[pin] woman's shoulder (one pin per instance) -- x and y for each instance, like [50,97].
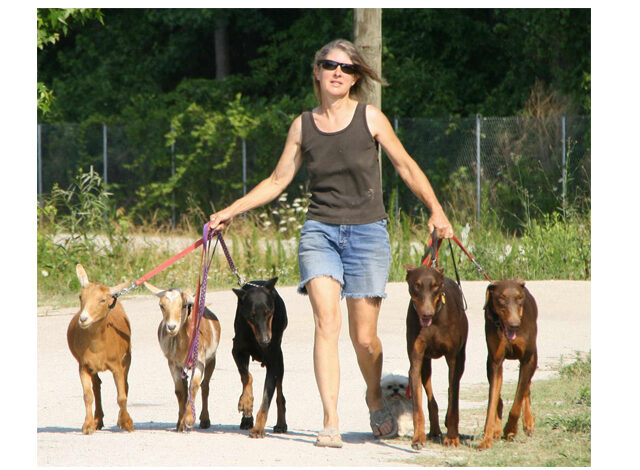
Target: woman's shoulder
[373,112]
[376,119]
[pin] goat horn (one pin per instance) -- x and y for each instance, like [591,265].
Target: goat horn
[153,288]
[82,275]
[115,289]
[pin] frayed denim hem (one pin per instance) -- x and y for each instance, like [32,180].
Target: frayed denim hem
[302,287]
[366,296]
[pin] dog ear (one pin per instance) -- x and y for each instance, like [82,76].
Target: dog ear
[440,269]
[271,283]
[520,281]
[240,293]
[409,267]
[490,289]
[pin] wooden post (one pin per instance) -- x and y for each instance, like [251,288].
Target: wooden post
[367,34]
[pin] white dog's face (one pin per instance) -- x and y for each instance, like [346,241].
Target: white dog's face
[394,387]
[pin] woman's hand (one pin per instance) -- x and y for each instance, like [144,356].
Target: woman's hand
[439,221]
[219,220]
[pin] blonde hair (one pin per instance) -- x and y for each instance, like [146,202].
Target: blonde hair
[366,75]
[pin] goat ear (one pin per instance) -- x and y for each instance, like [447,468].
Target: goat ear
[240,293]
[188,299]
[271,283]
[82,275]
[115,289]
[409,267]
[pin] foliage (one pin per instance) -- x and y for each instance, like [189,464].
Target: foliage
[52,24]
[80,228]
[80,224]
[146,70]
[439,62]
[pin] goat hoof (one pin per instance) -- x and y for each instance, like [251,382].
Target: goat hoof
[88,428]
[247,422]
[125,422]
[257,433]
[280,428]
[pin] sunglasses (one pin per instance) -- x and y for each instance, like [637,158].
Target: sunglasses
[349,69]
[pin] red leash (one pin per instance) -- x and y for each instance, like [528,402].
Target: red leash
[428,261]
[170,261]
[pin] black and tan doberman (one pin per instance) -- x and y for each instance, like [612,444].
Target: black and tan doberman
[260,321]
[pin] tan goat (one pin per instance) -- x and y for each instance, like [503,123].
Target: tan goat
[99,338]
[174,335]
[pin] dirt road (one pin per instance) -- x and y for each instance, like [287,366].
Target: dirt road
[564,328]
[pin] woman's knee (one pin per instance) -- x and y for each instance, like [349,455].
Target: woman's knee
[367,342]
[328,323]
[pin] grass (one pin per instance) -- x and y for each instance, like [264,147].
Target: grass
[562,435]
[75,229]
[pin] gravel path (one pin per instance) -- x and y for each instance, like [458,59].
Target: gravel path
[564,328]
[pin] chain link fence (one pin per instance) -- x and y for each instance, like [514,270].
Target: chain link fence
[477,166]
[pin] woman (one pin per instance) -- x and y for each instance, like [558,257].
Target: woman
[344,246]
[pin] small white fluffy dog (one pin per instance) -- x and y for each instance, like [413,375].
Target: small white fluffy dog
[394,389]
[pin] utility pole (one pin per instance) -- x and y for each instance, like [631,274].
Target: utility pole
[367,34]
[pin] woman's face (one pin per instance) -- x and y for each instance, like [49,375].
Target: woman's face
[335,82]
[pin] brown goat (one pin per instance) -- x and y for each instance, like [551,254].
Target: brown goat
[174,336]
[99,337]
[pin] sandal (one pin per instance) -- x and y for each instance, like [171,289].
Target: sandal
[329,437]
[378,418]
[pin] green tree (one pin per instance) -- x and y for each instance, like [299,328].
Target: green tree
[52,23]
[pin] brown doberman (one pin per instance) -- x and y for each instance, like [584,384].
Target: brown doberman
[436,326]
[510,328]
[261,319]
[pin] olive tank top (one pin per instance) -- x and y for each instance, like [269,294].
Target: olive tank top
[344,172]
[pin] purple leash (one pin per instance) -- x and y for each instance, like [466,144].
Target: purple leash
[192,356]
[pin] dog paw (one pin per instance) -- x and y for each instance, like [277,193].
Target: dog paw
[279,428]
[435,437]
[246,422]
[451,441]
[205,423]
[256,433]
[418,442]
[485,444]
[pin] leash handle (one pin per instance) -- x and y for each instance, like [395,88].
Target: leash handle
[431,252]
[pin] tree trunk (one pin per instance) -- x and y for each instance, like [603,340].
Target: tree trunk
[221,49]
[367,33]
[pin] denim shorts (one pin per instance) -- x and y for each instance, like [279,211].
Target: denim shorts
[357,256]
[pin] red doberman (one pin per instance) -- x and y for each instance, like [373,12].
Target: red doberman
[510,328]
[436,326]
